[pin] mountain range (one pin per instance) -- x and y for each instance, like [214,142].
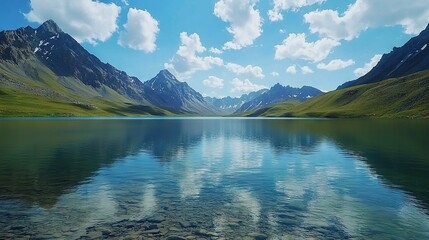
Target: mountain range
[44,71]
[279,93]
[50,64]
[51,73]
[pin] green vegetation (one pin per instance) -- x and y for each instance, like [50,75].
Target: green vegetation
[31,89]
[405,97]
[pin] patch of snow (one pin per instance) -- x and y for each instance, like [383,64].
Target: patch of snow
[153,83]
[37,49]
[52,47]
[308,96]
[424,47]
[295,95]
[41,42]
[46,43]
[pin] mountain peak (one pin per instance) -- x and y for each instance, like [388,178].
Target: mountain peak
[50,26]
[166,74]
[277,85]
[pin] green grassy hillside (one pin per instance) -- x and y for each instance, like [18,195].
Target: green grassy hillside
[405,97]
[32,89]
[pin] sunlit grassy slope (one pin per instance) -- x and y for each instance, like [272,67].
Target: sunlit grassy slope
[31,89]
[405,97]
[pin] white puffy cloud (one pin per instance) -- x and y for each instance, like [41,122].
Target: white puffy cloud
[125,2]
[359,72]
[255,71]
[335,64]
[281,5]
[215,50]
[295,46]
[186,61]
[306,70]
[364,14]
[275,74]
[213,82]
[245,21]
[291,69]
[140,31]
[86,20]
[244,86]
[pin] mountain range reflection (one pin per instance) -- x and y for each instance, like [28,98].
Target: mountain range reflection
[42,160]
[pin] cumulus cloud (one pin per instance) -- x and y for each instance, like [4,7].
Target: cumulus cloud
[255,71]
[275,74]
[335,64]
[216,50]
[364,14]
[140,31]
[245,21]
[244,86]
[281,5]
[187,61]
[295,46]
[306,70]
[86,20]
[291,69]
[213,82]
[359,72]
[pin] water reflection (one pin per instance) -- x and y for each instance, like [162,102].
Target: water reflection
[214,178]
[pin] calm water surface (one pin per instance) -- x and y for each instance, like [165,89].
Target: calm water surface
[190,178]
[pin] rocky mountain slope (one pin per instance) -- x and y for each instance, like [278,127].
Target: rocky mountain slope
[408,59]
[166,92]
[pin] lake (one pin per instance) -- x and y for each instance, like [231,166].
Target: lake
[200,178]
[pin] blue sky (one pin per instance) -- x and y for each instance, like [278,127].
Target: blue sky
[231,47]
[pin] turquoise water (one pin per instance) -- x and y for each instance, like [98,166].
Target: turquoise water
[192,178]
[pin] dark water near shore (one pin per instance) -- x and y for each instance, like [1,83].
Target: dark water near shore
[191,178]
